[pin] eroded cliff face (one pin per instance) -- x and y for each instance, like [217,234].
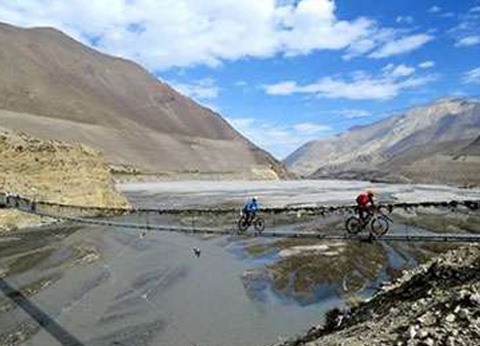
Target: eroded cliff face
[52,171]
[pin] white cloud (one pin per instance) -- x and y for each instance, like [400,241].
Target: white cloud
[402,45]
[310,129]
[447,15]
[354,113]
[201,89]
[280,140]
[467,31]
[385,43]
[183,33]
[405,20]
[472,76]
[426,64]
[434,9]
[360,85]
[475,9]
[468,41]
[282,88]
[398,71]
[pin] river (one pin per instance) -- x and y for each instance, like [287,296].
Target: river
[105,286]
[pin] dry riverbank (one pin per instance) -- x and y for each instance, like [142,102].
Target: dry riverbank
[435,304]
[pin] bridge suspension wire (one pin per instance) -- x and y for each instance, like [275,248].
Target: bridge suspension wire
[54,210]
[441,237]
[316,210]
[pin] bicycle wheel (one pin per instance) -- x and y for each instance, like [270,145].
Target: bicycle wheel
[242,224]
[353,225]
[380,226]
[259,224]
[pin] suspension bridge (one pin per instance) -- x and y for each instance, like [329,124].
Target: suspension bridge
[86,215]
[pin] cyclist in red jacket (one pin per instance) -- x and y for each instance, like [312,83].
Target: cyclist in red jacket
[365,204]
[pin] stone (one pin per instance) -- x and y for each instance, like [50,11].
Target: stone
[422,334]
[464,314]
[450,318]
[412,332]
[450,341]
[475,298]
[393,311]
[429,342]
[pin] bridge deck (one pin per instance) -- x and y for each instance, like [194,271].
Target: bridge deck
[412,237]
[25,206]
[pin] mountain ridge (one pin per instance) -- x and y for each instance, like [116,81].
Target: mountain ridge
[56,87]
[373,152]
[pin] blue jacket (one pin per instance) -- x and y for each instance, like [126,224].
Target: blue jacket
[251,206]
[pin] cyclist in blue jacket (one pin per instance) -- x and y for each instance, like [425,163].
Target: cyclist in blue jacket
[250,209]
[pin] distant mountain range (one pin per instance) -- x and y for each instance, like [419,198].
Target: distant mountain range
[51,86]
[435,143]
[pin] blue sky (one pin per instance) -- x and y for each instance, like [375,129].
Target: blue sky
[284,71]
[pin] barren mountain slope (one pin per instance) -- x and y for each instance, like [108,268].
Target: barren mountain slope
[384,148]
[472,149]
[54,87]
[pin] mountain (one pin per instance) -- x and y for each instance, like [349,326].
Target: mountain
[428,144]
[473,149]
[52,86]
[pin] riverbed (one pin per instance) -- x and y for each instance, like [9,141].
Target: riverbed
[105,286]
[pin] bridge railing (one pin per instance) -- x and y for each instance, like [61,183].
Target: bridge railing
[327,219]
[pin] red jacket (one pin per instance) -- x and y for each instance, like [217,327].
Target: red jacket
[363,199]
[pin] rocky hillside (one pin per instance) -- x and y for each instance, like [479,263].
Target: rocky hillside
[473,149]
[52,171]
[424,144]
[435,304]
[55,87]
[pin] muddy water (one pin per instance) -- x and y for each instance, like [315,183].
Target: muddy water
[104,286]
[153,291]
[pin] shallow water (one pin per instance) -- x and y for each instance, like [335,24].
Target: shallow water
[284,193]
[153,291]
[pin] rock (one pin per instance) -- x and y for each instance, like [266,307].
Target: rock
[429,342]
[450,318]
[450,341]
[422,334]
[464,314]
[411,319]
[475,298]
[412,332]
[59,173]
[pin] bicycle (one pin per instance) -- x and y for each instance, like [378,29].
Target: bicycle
[244,223]
[378,221]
